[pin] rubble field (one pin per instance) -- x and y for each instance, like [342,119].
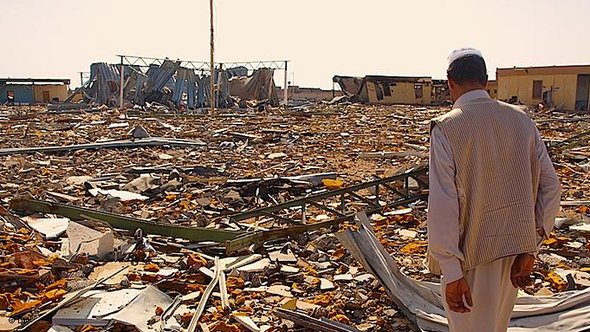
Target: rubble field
[75,185]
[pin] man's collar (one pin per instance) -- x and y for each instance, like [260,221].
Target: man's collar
[470,96]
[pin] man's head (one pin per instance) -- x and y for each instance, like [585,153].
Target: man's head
[466,71]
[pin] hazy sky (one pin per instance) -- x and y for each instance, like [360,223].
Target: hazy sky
[58,38]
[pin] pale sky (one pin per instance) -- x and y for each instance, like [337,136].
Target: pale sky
[59,38]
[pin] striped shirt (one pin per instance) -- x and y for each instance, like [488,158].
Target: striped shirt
[491,185]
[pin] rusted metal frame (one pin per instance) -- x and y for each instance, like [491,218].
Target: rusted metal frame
[364,199]
[328,194]
[286,220]
[259,237]
[325,208]
[390,187]
[421,183]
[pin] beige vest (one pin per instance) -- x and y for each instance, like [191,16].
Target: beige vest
[493,146]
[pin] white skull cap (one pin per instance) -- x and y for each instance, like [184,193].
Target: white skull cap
[462,52]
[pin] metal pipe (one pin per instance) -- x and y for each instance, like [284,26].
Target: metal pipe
[212,63]
[122,74]
[286,87]
[82,85]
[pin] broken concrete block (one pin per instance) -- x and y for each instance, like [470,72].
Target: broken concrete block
[408,234]
[139,132]
[280,290]
[326,284]
[287,257]
[245,321]
[140,311]
[140,184]
[95,307]
[343,277]
[120,194]
[51,228]
[276,155]
[89,241]
[258,266]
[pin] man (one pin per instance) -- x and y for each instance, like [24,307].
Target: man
[10,98]
[493,196]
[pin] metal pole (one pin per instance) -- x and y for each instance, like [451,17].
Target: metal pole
[122,72]
[285,87]
[212,64]
[82,83]
[219,84]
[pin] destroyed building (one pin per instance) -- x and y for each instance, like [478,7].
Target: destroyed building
[391,90]
[561,87]
[173,83]
[33,90]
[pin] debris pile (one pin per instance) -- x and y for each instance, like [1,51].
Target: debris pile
[229,221]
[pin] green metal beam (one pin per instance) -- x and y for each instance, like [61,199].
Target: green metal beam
[117,221]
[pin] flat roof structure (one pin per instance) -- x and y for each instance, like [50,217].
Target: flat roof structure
[545,70]
[9,80]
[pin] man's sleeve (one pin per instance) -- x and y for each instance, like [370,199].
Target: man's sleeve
[443,208]
[549,194]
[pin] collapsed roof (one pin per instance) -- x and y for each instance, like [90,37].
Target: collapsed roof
[170,83]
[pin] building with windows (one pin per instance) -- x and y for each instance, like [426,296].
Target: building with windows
[387,90]
[492,88]
[565,87]
[33,90]
[399,90]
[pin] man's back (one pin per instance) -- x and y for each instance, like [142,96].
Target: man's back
[493,146]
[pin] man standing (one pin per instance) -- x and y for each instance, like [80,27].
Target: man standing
[493,196]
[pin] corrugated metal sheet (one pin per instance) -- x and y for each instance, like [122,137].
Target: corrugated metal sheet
[168,82]
[185,83]
[161,76]
[104,83]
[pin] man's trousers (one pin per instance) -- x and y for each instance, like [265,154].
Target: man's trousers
[493,298]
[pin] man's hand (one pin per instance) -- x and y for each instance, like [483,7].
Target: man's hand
[520,274]
[454,292]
